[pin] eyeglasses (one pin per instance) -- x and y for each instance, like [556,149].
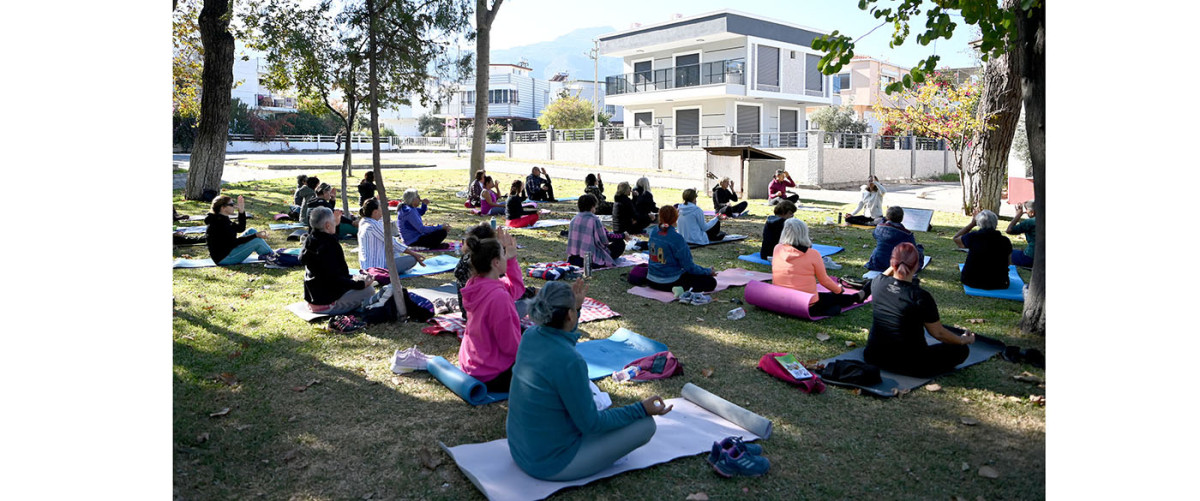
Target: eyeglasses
[231,204]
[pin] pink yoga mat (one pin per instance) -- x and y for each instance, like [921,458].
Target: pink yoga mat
[733,277]
[787,301]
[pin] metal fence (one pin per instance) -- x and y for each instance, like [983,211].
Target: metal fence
[398,141]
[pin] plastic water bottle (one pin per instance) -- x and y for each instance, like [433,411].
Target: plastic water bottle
[493,222]
[626,374]
[587,264]
[736,314]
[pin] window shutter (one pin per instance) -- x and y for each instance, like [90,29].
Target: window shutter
[768,67]
[642,119]
[747,119]
[687,122]
[812,75]
[787,120]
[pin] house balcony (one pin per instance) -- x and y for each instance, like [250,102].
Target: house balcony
[711,79]
[276,104]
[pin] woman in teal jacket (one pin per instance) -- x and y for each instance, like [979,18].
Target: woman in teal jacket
[555,432]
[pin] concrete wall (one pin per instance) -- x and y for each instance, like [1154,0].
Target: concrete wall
[689,162]
[931,163]
[636,154]
[795,162]
[580,152]
[530,150]
[893,164]
[845,165]
[252,146]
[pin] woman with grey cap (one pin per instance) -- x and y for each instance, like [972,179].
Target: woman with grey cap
[554,430]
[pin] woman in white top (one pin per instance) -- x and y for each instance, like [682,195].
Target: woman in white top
[872,201]
[371,250]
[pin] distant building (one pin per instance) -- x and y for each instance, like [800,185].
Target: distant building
[514,96]
[253,92]
[861,85]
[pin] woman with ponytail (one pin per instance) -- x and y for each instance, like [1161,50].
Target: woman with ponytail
[554,430]
[493,332]
[795,265]
[903,311]
[671,259]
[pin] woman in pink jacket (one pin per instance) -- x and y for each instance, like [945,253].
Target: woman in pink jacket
[489,345]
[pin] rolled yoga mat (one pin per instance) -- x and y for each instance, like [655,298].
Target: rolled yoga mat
[1015,290]
[823,250]
[471,390]
[787,301]
[733,413]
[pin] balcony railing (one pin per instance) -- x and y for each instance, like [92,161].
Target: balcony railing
[728,71]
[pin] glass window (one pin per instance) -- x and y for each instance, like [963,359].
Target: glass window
[843,81]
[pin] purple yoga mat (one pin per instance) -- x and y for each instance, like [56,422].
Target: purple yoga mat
[786,301]
[733,277]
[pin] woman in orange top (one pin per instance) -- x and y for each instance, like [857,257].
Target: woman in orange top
[796,265]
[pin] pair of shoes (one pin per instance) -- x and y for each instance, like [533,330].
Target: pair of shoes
[731,457]
[441,306]
[829,264]
[1031,356]
[696,298]
[408,360]
[345,324]
[853,283]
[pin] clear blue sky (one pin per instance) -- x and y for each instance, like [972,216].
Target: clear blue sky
[523,22]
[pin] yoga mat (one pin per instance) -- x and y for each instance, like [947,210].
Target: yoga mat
[547,223]
[471,390]
[286,226]
[917,219]
[191,229]
[727,239]
[823,250]
[566,199]
[752,422]
[783,300]
[208,262]
[444,291]
[872,273]
[606,356]
[733,277]
[859,226]
[893,384]
[301,310]
[689,429]
[297,234]
[1015,290]
[440,263]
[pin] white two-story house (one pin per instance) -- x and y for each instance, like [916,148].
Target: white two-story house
[514,96]
[724,77]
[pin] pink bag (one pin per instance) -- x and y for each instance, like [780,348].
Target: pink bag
[660,365]
[771,366]
[380,275]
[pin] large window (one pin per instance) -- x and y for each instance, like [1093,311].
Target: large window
[503,96]
[884,81]
[841,82]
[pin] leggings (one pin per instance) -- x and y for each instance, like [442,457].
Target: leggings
[600,451]
[1020,259]
[715,234]
[243,251]
[829,304]
[523,221]
[791,198]
[494,211]
[730,209]
[545,195]
[500,383]
[930,361]
[350,301]
[697,283]
[616,247]
[430,240]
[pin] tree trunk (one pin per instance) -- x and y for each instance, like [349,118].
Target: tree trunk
[483,44]
[1032,45]
[389,230]
[208,152]
[347,157]
[987,166]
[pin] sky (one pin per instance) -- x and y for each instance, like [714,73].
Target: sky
[523,22]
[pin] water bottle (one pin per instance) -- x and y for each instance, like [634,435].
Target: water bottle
[587,264]
[736,314]
[626,374]
[493,222]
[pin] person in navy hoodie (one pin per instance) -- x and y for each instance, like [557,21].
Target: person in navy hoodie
[888,235]
[412,229]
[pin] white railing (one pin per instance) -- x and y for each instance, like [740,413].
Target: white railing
[399,141]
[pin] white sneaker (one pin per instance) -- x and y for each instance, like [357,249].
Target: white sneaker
[829,264]
[408,360]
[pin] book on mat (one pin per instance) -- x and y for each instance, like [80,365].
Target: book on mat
[794,367]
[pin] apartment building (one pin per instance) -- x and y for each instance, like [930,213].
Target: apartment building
[719,74]
[248,89]
[861,85]
[513,95]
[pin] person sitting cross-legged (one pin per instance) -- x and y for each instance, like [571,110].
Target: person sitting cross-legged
[888,235]
[1029,228]
[412,229]
[988,253]
[626,218]
[594,186]
[366,187]
[588,235]
[475,190]
[538,187]
[225,246]
[902,313]
[671,259]
[490,201]
[796,265]
[372,251]
[643,200]
[724,197]
[554,431]
[692,225]
[328,287]
[784,210]
[493,331]
[515,215]
[872,201]
[777,189]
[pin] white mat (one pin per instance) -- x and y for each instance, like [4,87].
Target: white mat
[687,430]
[548,223]
[191,229]
[300,309]
[287,226]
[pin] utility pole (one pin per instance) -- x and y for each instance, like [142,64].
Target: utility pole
[595,55]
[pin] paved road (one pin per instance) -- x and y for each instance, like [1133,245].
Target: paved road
[944,197]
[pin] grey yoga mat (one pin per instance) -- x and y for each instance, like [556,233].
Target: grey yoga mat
[689,429]
[752,422]
[894,384]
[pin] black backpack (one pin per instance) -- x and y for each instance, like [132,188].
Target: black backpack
[852,372]
[387,312]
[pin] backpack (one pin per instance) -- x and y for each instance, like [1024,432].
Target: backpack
[637,276]
[660,365]
[209,195]
[770,365]
[381,308]
[380,275]
[852,372]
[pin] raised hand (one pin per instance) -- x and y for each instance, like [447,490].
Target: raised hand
[579,289]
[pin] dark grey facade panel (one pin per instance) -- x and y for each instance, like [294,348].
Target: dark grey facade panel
[743,25]
[643,118]
[683,30]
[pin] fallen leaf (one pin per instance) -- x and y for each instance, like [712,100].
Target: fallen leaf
[428,459]
[821,336]
[244,427]
[856,391]
[228,378]
[965,466]
[975,320]
[850,344]
[933,387]
[1038,399]
[988,472]
[290,455]
[706,372]
[1027,377]
[698,319]
[1013,398]
[698,496]
[969,421]
[220,413]
[299,388]
[188,336]
[201,438]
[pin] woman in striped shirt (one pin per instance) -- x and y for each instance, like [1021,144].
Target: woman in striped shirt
[372,252]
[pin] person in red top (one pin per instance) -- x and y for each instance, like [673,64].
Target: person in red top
[777,189]
[493,332]
[796,265]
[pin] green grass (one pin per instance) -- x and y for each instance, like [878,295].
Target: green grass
[948,177]
[357,431]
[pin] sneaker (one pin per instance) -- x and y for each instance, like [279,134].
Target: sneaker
[829,264]
[738,462]
[345,324]
[730,443]
[408,360]
[853,283]
[700,298]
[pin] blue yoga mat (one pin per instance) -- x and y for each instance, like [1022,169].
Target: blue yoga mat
[1013,292]
[437,264]
[824,250]
[471,390]
[208,262]
[606,356]
[286,226]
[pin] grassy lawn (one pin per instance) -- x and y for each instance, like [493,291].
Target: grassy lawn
[356,430]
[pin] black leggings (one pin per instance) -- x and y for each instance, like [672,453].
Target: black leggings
[730,209]
[500,383]
[793,199]
[927,362]
[543,195]
[616,247]
[697,283]
[431,239]
[829,304]
[715,234]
